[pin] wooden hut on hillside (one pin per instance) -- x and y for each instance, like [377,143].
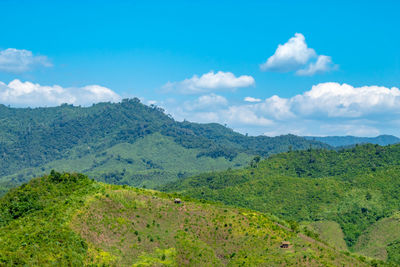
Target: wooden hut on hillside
[285,244]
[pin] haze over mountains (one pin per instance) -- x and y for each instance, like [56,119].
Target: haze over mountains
[341,141]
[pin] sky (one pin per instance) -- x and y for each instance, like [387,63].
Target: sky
[260,67]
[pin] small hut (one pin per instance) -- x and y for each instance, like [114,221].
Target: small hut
[285,244]
[177,201]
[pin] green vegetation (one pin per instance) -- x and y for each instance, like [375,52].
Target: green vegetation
[123,143]
[150,161]
[355,187]
[68,219]
[381,239]
[327,231]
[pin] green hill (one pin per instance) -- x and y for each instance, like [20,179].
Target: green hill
[329,231]
[381,239]
[355,187]
[68,219]
[122,143]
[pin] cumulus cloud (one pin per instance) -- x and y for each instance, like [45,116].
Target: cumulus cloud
[323,64]
[295,55]
[210,82]
[326,109]
[206,102]
[345,101]
[251,99]
[15,60]
[19,93]
[290,56]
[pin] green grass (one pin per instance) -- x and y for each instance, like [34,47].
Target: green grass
[328,231]
[68,219]
[376,239]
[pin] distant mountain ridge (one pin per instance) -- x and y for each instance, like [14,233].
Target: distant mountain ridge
[342,141]
[123,143]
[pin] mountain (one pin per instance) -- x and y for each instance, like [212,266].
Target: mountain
[70,220]
[344,141]
[123,143]
[350,193]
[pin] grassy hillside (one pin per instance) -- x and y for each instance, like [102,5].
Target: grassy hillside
[355,187]
[329,231]
[123,143]
[68,219]
[381,238]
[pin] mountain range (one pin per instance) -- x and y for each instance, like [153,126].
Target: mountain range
[345,141]
[123,143]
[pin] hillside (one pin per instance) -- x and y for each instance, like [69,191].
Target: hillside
[122,143]
[382,239]
[68,219]
[355,188]
[345,141]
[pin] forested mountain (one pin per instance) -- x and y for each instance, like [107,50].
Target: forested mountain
[123,143]
[353,193]
[70,220]
[343,141]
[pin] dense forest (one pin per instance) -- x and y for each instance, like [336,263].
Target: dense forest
[118,143]
[68,219]
[357,188]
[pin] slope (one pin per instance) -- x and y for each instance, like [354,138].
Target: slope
[380,238]
[76,138]
[68,219]
[354,187]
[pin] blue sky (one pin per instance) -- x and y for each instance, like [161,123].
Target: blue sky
[105,50]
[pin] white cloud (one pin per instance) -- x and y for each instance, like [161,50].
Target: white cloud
[326,109]
[323,64]
[151,102]
[19,93]
[206,102]
[15,60]
[251,99]
[295,55]
[343,100]
[245,115]
[210,82]
[290,56]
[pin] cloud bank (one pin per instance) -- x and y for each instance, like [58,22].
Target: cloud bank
[210,82]
[295,55]
[15,60]
[24,94]
[325,109]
